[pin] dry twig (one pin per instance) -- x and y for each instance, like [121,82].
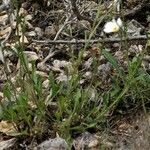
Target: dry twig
[105,40]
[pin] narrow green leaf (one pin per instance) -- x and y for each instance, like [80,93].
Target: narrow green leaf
[113,61]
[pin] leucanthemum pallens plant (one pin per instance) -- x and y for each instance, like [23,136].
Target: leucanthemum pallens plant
[113,26]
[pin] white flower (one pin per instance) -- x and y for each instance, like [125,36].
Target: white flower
[113,26]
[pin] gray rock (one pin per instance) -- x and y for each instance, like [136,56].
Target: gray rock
[7,144]
[53,144]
